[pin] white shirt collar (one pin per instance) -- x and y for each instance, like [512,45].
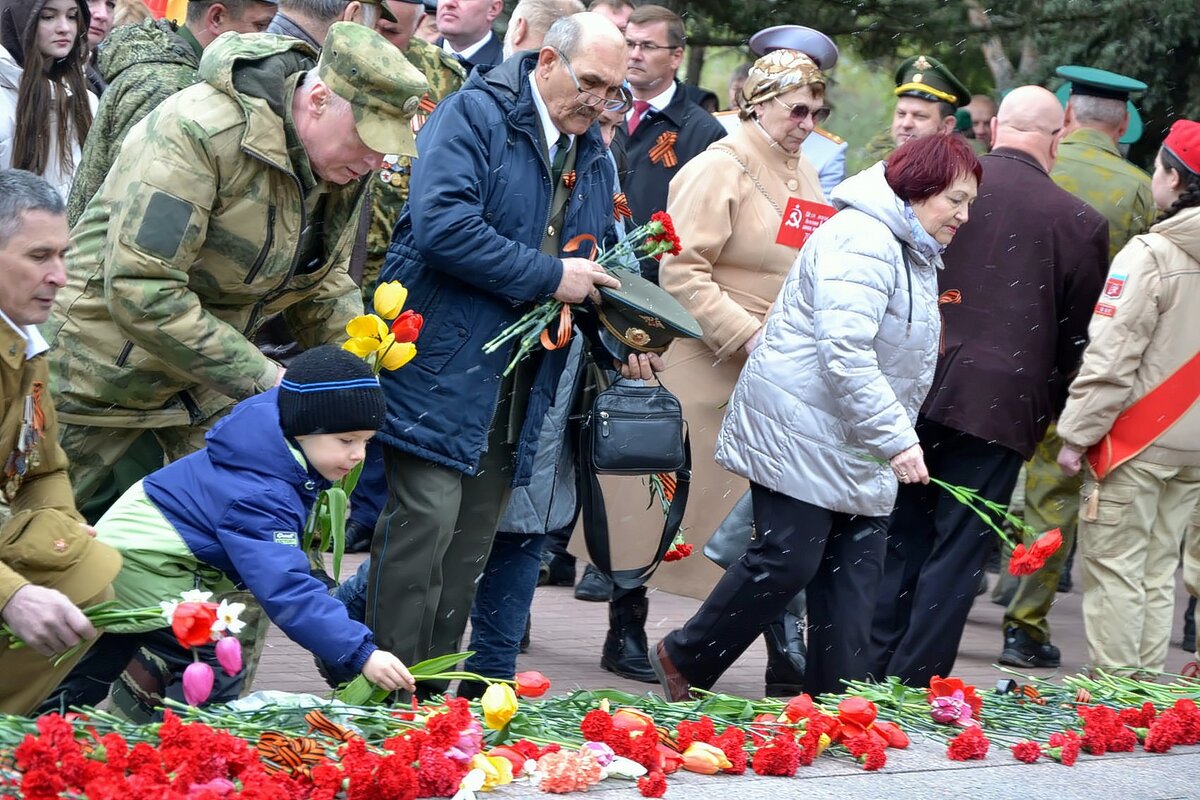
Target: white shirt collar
[548,129]
[467,52]
[660,100]
[35,345]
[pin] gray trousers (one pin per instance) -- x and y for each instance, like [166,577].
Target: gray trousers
[430,547]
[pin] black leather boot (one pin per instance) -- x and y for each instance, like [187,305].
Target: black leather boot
[787,656]
[625,649]
[1189,627]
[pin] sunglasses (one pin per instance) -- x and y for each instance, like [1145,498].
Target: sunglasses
[800,112]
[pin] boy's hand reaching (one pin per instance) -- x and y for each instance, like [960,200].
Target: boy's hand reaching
[388,672]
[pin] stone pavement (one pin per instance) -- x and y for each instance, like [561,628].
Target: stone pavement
[567,636]
[566,640]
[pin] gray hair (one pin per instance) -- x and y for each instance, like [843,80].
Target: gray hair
[323,10]
[22,191]
[1098,110]
[540,15]
[564,36]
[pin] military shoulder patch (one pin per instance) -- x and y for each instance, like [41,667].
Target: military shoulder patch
[1114,286]
[290,538]
[1105,310]
[164,225]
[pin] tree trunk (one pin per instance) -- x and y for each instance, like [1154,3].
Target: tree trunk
[992,47]
[695,64]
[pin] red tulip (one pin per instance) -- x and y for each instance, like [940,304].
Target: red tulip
[192,623]
[229,655]
[669,760]
[197,683]
[407,326]
[630,719]
[858,710]
[532,684]
[798,708]
[896,737]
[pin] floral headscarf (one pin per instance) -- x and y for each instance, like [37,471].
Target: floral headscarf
[776,73]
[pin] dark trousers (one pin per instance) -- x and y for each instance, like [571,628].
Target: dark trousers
[936,551]
[430,547]
[837,558]
[502,603]
[371,489]
[148,656]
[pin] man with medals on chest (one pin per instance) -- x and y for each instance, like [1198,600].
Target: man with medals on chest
[50,566]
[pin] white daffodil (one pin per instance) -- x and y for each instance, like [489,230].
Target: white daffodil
[624,768]
[196,596]
[229,618]
[471,783]
[168,608]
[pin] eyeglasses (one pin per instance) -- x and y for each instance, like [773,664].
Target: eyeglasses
[800,112]
[650,48]
[622,102]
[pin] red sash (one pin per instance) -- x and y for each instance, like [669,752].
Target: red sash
[1140,425]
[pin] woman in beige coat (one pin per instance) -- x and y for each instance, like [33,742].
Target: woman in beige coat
[728,204]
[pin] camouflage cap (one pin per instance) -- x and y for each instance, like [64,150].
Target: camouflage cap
[384,89]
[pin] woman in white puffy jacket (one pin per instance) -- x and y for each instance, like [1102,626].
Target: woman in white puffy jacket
[45,106]
[821,420]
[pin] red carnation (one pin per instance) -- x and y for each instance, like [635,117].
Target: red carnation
[1064,747]
[868,750]
[1137,717]
[969,745]
[1028,752]
[596,725]
[653,784]
[733,744]
[780,756]
[1046,545]
[701,730]
[1023,562]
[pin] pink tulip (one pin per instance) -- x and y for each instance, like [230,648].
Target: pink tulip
[197,683]
[229,655]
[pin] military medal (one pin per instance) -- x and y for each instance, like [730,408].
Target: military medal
[26,454]
[385,175]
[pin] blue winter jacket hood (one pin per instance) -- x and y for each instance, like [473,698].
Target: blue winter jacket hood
[467,247]
[240,505]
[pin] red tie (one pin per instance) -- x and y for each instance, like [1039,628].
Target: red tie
[640,107]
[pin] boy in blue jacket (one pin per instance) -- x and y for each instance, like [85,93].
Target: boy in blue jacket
[231,517]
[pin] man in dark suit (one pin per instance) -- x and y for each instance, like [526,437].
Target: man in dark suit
[466,29]
[664,129]
[1020,281]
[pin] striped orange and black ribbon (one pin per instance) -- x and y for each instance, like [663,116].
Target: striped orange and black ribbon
[621,209]
[949,297]
[667,480]
[320,723]
[282,753]
[663,151]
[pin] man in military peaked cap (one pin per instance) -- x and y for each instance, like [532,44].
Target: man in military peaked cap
[214,218]
[927,97]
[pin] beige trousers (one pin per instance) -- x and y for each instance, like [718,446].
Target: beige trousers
[1129,544]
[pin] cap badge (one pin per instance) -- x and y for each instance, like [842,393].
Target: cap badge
[637,337]
[921,63]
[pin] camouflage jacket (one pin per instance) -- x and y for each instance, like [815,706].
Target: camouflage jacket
[1090,167]
[195,239]
[144,65]
[389,186]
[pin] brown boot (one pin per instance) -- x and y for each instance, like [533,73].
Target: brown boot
[675,687]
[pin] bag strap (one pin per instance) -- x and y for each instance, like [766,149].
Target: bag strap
[595,516]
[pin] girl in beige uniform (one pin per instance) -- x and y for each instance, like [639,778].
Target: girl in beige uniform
[1133,411]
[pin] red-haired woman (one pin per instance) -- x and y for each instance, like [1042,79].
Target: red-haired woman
[821,420]
[45,106]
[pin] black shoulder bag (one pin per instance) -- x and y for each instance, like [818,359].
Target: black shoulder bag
[632,430]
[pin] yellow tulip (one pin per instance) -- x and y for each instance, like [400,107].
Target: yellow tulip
[705,759]
[823,742]
[393,354]
[389,299]
[366,326]
[497,770]
[361,346]
[499,703]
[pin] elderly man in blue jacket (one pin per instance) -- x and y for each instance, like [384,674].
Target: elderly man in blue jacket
[511,168]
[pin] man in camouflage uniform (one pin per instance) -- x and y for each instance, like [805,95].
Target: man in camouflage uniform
[143,66]
[1089,166]
[212,219]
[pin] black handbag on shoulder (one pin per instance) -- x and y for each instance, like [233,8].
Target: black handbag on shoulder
[632,430]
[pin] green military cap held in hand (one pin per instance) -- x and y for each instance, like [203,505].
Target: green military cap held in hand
[641,316]
[927,78]
[383,88]
[1102,83]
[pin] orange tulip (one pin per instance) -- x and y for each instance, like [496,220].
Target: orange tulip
[532,684]
[705,759]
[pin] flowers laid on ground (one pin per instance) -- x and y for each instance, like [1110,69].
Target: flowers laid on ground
[653,240]
[448,748]
[196,621]
[385,346]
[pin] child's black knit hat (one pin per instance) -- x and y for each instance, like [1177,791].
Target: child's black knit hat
[329,390]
